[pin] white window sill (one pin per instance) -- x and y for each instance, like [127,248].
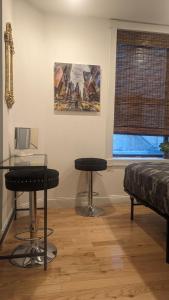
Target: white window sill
[125,161]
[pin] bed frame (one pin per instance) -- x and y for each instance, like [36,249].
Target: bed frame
[135,201]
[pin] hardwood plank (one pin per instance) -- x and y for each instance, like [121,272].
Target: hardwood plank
[108,257]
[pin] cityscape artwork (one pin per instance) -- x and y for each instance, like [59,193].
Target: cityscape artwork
[76,87]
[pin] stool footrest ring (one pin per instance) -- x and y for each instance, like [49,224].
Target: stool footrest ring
[38,238]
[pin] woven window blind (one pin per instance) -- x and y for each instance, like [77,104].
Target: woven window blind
[142,83]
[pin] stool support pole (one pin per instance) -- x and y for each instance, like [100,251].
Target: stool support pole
[90,189]
[91,210]
[29,254]
[33,215]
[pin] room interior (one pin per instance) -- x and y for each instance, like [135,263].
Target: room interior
[78,32]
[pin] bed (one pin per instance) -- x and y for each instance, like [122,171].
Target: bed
[147,183]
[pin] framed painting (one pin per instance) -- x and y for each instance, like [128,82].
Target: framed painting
[76,87]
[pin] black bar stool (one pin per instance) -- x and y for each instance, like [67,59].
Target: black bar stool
[32,180]
[90,165]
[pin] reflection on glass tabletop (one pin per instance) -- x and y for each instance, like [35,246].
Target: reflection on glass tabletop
[31,160]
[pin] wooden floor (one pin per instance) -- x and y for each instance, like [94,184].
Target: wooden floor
[108,257]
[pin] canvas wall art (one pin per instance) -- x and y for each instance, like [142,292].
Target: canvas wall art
[76,87]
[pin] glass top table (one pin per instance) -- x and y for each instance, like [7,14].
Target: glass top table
[25,161]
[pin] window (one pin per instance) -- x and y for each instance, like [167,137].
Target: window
[141,119]
[136,145]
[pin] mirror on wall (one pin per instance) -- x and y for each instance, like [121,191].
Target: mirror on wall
[26,138]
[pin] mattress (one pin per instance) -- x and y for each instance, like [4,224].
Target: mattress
[149,181]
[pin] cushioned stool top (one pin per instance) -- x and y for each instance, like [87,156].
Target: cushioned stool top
[90,164]
[30,179]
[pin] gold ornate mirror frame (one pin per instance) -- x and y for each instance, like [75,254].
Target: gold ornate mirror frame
[9,52]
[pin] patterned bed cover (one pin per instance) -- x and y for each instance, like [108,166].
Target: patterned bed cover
[149,181]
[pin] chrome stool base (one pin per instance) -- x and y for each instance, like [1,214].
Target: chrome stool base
[29,262]
[90,211]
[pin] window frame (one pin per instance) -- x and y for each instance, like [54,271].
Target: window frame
[114,26]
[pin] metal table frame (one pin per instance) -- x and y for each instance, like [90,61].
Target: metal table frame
[29,161]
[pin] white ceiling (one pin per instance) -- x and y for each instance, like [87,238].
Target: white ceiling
[148,11]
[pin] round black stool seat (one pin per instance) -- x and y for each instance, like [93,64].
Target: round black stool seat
[30,179]
[90,164]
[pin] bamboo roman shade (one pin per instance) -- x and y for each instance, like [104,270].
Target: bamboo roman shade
[142,83]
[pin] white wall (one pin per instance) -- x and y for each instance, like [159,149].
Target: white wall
[73,135]
[29,80]
[40,40]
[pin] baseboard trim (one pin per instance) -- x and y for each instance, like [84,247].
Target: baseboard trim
[6,227]
[71,202]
